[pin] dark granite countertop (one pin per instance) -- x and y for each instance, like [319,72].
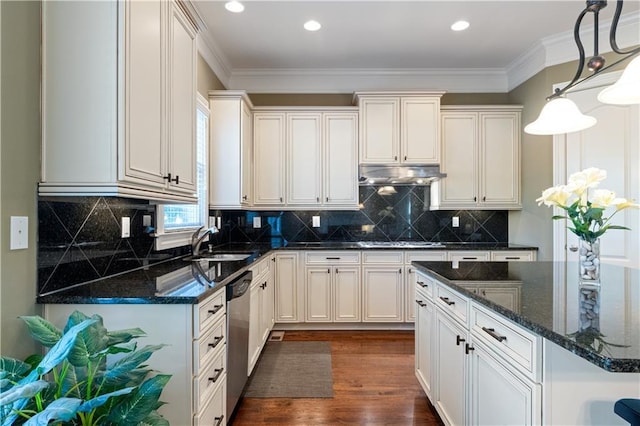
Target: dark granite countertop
[549,305]
[177,281]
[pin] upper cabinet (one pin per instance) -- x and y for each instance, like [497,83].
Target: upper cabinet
[230,149]
[119,100]
[305,158]
[399,127]
[481,157]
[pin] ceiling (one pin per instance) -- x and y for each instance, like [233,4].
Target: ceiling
[266,46]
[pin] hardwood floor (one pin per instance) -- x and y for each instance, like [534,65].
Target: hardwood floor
[373,384]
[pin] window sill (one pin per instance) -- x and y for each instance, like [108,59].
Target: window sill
[173,239]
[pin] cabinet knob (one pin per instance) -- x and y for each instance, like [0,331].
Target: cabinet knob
[244,197]
[280,199]
[328,270]
[468,348]
[400,270]
[475,199]
[484,198]
[459,340]
[395,158]
[317,199]
[405,158]
[327,199]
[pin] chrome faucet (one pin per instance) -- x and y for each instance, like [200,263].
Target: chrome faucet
[197,239]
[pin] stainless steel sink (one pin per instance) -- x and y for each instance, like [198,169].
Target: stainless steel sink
[220,257]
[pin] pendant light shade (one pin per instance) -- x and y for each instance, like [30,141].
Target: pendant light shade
[626,90]
[559,115]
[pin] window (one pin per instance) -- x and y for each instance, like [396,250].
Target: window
[176,222]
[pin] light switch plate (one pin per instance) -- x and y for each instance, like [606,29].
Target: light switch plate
[315,221]
[455,222]
[257,222]
[126,227]
[146,220]
[212,221]
[19,233]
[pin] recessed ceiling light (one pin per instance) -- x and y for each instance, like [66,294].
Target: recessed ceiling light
[459,25]
[312,25]
[234,6]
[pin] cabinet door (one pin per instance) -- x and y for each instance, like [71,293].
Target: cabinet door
[255,317]
[459,159]
[287,294]
[246,165]
[423,334]
[303,158]
[268,158]
[341,159]
[382,296]
[450,370]
[498,396]
[267,308]
[318,294]
[181,102]
[379,130]
[225,160]
[420,134]
[145,137]
[500,158]
[346,294]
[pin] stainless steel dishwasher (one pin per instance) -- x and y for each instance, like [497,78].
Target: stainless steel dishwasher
[238,308]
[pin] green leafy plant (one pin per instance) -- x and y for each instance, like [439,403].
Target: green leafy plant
[584,204]
[591,337]
[89,376]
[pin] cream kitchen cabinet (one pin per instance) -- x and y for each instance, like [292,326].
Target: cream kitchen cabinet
[424,327]
[513,255]
[481,157]
[399,127]
[289,296]
[332,287]
[230,150]
[383,291]
[410,277]
[469,256]
[261,313]
[119,101]
[305,158]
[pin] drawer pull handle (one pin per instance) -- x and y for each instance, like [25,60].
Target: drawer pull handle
[459,340]
[423,285]
[469,258]
[421,303]
[218,420]
[216,342]
[512,257]
[447,301]
[468,348]
[333,258]
[218,372]
[492,332]
[215,309]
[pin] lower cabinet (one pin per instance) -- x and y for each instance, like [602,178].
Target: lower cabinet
[289,301]
[476,367]
[261,314]
[382,294]
[333,294]
[194,355]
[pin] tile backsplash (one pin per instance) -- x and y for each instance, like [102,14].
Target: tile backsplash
[402,216]
[79,238]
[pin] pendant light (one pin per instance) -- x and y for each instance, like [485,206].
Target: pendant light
[561,115]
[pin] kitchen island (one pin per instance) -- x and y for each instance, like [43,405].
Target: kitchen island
[535,349]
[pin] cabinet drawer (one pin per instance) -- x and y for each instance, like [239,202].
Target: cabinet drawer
[332,257]
[469,255]
[213,413]
[382,257]
[512,255]
[209,379]
[262,267]
[206,348]
[424,285]
[426,256]
[452,302]
[515,344]
[209,311]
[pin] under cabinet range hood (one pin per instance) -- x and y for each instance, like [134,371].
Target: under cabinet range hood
[384,174]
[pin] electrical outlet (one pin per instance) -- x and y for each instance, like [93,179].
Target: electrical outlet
[212,221]
[455,222]
[315,221]
[257,222]
[19,233]
[219,222]
[126,227]
[146,220]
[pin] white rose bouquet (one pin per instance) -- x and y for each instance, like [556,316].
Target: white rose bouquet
[585,204]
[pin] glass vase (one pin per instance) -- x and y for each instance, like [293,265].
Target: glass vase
[589,300]
[589,261]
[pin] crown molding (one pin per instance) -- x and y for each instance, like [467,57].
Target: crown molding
[350,80]
[214,57]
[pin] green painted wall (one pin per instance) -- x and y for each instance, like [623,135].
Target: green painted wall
[20,157]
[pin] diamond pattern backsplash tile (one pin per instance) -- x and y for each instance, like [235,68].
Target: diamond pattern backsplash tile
[79,237]
[401,216]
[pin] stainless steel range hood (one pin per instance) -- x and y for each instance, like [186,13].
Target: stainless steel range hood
[383,174]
